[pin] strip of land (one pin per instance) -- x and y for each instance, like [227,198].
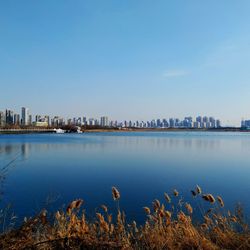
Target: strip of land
[98,130]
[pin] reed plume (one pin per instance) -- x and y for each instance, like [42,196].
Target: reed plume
[208,197]
[115,194]
[167,198]
[175,192]
[105,208]
[189,208]
[221,202]
[198,189]
[147,210]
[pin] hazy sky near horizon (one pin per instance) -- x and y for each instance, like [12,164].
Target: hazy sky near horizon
[133,59]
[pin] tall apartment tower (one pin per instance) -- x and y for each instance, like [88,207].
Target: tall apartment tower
[104,121]
[2,119]
[25,116]
[46,119]
[16,119]
[9,117]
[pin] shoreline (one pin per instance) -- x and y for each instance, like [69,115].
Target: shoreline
[101,130]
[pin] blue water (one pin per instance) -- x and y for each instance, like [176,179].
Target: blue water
[50,170]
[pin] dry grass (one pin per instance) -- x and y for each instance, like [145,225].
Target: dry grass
[169,225]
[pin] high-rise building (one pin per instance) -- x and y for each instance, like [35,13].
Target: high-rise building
[2,119]
[57,121]
[91,121]
[16,119]
[69,122]
[212,122]
[196,124]
[25,116]
[189,119]
[158,123]
[205,119]
[30,120]
[199,119]
[171,123]
[46,119]
[177,123]
[104,121]
[165,123]
[9,117]
[79,121]
[84,121]
[202,124]
[38,118]
[97,122]
[74,121]
[243,124]
[218,124]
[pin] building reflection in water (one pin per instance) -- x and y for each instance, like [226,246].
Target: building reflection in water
[10,155]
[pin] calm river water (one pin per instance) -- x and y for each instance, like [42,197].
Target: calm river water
[50,170]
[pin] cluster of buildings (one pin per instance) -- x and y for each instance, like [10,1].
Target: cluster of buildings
[187,122]
[9,117]
[245,124]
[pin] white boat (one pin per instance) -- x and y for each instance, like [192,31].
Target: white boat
[79,130]
[59,131]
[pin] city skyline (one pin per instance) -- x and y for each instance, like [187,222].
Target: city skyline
[226,122]
[129,60]
[25,118]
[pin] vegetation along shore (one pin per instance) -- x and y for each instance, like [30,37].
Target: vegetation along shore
[168,225]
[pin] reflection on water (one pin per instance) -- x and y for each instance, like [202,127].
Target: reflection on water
[142,165]
[139,141]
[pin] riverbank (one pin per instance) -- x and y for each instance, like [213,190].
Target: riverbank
[99,130]
[26,131]
[167,130]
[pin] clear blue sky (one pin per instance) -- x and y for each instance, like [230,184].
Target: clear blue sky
[133,59]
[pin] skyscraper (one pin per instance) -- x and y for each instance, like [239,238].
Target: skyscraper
[9,117]
[212,122]
[2,119]
[84,120]
[38,118]
[46,119]
[171,123]
[218,124]
[30,120]
[91,121]
[16,119]
[205,119]
[79,121]
[25,116]
[158,123]
[104,121]
[199,119]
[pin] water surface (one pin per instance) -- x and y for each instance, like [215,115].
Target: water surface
[49,170]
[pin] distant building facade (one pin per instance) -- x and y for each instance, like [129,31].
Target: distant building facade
[104,121]
[245,124]
[25,116]
[2,119]
[16,119]
[9,117]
